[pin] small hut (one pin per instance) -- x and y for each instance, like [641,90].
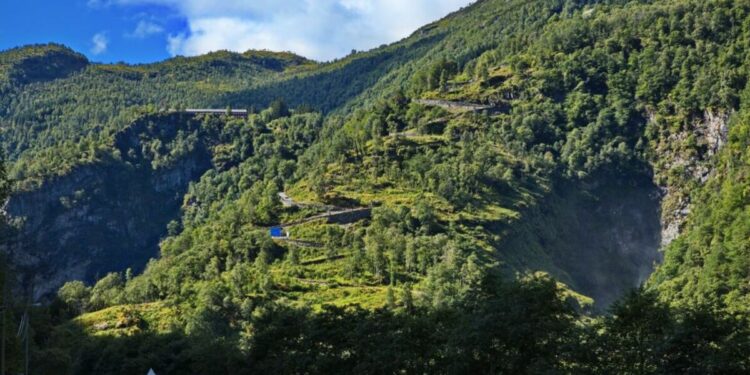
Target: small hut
[277,232]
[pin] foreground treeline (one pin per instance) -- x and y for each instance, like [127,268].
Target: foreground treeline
[504,327]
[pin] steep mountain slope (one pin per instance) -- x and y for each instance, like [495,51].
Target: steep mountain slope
[57,126]
[82,100]
[569,92]
[579,107]
[109,215]
[83,207]
[708,263]
[360,79]
[21,66]
[508,140]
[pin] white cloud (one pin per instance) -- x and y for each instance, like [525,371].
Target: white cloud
[145,29]
[174,42]
[100,43]
[320,29]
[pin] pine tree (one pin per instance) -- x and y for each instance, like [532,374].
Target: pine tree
[292,256]
[261,262]
[408,300]
[390,299]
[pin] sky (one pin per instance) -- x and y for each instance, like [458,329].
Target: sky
[141,31]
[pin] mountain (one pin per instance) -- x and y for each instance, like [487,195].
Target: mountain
[39,63]
[90,108]
[478,197]
[47,110]
[63,134]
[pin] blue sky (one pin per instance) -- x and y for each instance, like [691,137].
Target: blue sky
[138,31]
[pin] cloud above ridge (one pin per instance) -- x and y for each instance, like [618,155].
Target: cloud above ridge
[99,42]
[145,28]
[319,29]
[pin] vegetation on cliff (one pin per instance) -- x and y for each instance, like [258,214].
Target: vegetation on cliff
[505,147]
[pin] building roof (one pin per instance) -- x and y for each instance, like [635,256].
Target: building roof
[277,232]
[213,110]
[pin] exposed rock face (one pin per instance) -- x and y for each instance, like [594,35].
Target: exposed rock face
[687,168]
[100,218]
[95,220]
[602,237]
[671,226]
[714,130]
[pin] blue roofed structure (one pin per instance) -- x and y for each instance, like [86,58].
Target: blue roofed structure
[277,232]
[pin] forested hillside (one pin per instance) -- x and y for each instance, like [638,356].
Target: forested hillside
[484,196]
[81,105]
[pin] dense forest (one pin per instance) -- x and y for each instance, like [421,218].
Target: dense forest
[548,186]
